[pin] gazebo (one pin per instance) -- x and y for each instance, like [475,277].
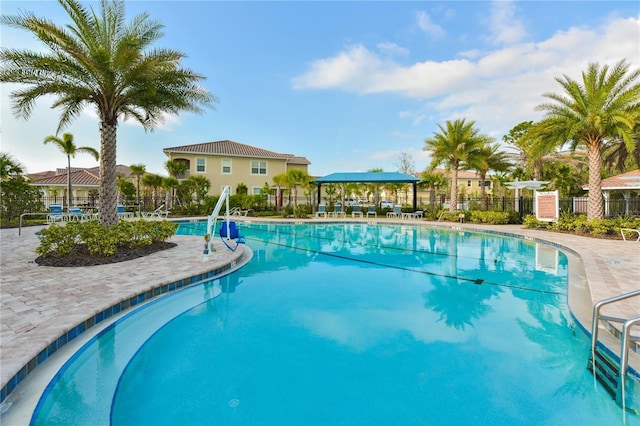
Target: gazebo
[369,177]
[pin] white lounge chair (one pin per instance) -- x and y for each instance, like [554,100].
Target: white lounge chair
[395,213]
[372,211]
[337,211]
[322,211]
[357,211]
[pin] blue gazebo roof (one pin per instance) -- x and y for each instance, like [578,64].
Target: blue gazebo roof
[367,177]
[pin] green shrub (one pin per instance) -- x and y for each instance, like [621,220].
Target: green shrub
[531,221]
[101,240]
[490,217]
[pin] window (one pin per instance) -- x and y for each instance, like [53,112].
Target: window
[256,190]
[469,183]
[258,167]
[226,166]
[200,165]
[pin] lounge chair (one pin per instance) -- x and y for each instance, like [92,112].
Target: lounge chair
[396,212]
[337,211]
[56,214]
[76,214]
[357,211]
[322,210]
[159,213]
[372,211]
[124,214]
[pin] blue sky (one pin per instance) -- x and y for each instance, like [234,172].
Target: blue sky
[348,85]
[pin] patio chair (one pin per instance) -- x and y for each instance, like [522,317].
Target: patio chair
[357,211]
[372,211]
[337,211]
[77,214]
[56,214]
[123,214]
[322,210]
[396,212]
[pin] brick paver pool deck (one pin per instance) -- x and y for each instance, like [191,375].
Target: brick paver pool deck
[40,304]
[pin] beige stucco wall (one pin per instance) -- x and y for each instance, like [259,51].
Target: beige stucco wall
[241,171]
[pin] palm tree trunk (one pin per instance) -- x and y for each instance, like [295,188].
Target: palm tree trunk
[594,202]
[453,204]
[483,200]
[108,175]
[69,197]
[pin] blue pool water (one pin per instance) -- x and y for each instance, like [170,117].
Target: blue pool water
[335,324]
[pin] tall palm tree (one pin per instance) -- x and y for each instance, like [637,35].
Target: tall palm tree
[452,147]
[604,107]
[102,61]
[138,170]
[66,145]
[488,157]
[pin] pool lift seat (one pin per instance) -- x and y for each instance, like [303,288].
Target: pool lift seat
[228,230]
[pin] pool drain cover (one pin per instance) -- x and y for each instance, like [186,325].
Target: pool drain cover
[233,403]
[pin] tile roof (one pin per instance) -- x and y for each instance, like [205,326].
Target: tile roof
[234,149]
[629,180]
[80,177]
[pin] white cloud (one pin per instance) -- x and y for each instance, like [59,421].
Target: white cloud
[498,89]
[392,49]
[505,26]
[429,27]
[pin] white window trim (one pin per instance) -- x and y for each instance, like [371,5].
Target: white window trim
[205,165]
[230,166]
[266,168]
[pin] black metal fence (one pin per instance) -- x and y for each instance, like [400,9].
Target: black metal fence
[522,205]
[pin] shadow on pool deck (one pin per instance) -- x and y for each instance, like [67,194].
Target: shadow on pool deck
[39,304]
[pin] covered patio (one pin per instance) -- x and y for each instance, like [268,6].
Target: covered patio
[369,177]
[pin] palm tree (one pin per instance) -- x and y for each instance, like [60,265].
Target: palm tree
[433,181]
[138,170]
[9,166]
[602,108]
[66,145]
[488,157]
[102,61]
[154,182]
[176,168]
[279,180]
[452,147]
[169,184]
[295,177]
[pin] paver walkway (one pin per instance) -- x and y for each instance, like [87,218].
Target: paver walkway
[39,304]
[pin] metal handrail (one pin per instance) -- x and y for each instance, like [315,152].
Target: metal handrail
[624,354]
[624,345]
[596,313]
[28,214]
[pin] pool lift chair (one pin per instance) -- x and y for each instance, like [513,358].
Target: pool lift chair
[228,229]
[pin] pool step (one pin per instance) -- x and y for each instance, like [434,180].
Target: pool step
[607,371]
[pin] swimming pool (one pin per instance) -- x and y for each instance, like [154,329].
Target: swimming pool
[348,324]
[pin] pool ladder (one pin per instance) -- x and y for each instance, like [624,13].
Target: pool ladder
[610,372]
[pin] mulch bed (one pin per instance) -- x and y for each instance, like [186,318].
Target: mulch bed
[81,256]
